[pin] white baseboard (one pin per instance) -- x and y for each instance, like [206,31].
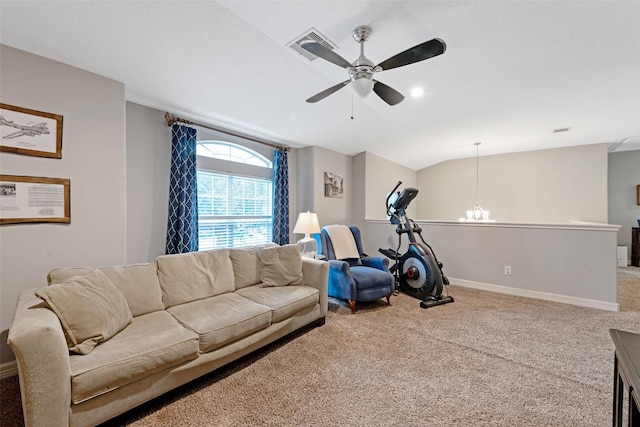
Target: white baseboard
[583,302]
[8,369]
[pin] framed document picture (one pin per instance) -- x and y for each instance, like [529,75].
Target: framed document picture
[30,132]
[34,199]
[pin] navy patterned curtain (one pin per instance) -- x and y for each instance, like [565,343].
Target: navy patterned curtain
[281,197]
[182,227]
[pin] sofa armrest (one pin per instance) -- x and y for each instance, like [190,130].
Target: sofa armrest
[376,262]
[42,356]
[316,274]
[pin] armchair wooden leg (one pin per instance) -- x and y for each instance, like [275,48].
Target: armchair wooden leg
[352,304]
[389,299]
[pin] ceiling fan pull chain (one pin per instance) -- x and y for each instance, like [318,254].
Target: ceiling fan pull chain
[352,106]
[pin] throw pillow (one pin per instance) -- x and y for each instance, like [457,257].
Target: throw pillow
[281,265]
[90,308]
[246,264]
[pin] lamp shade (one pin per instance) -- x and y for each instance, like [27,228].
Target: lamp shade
[307,223]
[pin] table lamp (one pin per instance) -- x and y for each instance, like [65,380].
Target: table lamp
[307,224]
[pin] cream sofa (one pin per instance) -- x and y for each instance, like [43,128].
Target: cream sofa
[189,314]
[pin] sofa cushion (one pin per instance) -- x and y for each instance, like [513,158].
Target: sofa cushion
[246,264]
[194,276]
[137,282]
[151,343]
[281,266]
[222,319]
[282,300]
[90,308]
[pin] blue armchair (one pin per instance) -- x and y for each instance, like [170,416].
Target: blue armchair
[365,278]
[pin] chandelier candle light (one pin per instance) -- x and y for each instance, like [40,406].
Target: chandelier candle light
[307,223]
[477,214]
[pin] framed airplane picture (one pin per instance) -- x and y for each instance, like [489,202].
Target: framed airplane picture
[30,132]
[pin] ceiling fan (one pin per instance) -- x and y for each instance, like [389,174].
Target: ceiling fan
[362,70]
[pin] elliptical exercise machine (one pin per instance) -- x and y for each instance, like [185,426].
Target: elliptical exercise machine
[417,272]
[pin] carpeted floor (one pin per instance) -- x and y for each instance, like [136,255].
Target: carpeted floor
[488,359]
[629,288]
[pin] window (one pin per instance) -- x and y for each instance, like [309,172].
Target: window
[232,153]
[233,209]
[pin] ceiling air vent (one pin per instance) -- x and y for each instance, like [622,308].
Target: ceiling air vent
[310,35]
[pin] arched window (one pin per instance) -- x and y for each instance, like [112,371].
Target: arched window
[232,153]
[234,196]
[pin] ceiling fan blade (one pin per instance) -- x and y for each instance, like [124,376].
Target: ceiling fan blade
[417,53]
[325,53]
[387,93]
[327,92]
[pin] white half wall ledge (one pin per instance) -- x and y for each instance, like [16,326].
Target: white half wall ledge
[570,225]
[564,299]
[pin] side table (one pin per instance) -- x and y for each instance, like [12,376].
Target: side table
[626,375]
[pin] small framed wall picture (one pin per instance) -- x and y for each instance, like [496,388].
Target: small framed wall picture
[30,132]
[333,185]
[30,199]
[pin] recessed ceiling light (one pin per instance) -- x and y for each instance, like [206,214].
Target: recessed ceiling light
[417,92]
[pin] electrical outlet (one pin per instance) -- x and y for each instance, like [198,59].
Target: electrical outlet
[507,270]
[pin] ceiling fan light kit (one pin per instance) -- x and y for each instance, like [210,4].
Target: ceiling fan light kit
[362,86]
[361,71]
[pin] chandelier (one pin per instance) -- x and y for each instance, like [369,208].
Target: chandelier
[477,214]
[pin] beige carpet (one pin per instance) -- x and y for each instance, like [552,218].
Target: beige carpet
[629,288]
[487,359]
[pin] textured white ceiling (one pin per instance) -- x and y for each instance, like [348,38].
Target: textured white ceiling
[513,71]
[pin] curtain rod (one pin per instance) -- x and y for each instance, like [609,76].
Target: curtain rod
[171,119]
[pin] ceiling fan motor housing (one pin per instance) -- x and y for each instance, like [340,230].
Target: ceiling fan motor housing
[362,33]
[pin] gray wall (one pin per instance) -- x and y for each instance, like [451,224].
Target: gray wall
[93,158]
[380,176]
[545,186]
[624,177]
[148,158]
[313,162]
[567,263]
